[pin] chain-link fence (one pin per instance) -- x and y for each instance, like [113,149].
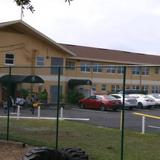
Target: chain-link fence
[34,100]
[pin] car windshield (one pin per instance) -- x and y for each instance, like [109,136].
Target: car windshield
[110,97]
[145,96]
[156,96]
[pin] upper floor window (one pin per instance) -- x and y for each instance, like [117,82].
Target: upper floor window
[40,61]
[111,69]
[9,59]
[145,70]
[97,68]
[70,65]
[136,70]
[157,70]
[85,67]
[120,69]
[56,62]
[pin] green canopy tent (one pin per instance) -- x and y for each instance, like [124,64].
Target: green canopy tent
[21,79]
[10,81]
[75,82]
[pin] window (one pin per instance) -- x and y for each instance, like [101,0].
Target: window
[135,87]
[56,62]
[70,65]
[120,69]
[145,88]
[39,61]
[97,68]
[103,87]
[9,59]
[155,89]
[136,70]
[85,67]
[145,70]
[115,88]
[157,70]
[111,69]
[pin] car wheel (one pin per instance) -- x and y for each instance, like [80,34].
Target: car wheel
[102,108]
[81,106]
[140,105]
[114,109]
[149,107]
[130,108]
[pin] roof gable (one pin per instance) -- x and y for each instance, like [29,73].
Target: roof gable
[22,27]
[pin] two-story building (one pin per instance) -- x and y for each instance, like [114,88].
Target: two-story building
[30,58]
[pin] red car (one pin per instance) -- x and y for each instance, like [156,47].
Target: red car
[101,102]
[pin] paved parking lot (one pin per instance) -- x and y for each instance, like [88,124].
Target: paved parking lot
[107,119]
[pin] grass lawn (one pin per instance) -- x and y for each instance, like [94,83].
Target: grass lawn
[99,143]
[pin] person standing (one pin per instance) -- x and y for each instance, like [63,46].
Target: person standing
[10,102]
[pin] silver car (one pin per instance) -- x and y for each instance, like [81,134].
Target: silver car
[130,102]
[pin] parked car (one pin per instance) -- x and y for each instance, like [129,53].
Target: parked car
[144,101]
[130,102]
[156,97]
[101,102]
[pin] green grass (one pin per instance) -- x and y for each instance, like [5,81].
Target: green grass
[99,143]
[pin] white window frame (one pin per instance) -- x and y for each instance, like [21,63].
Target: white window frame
[155,89]
[85,67]
[70,65]
[135,87]
[111,69]
[145,71]
[40,61]
[120,69]
[97,68]
[115,88]
[103,87]
[145,88]
[136,70]
[11,59]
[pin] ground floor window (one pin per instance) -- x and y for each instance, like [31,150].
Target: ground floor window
[156,89]
[115,88]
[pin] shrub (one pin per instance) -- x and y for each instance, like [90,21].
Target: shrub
[74,96]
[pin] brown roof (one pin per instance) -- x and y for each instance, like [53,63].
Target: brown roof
[107,55]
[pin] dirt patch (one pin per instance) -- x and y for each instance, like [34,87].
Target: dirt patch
[12,150]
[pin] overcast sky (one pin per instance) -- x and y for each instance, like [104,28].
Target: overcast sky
[130,25]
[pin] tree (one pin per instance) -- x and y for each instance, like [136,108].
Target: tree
[27,4]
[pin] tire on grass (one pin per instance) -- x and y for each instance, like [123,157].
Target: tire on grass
[74,154]
[44,153]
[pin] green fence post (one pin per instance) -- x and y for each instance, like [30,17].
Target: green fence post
[58,105]
[8,108]
[122,113]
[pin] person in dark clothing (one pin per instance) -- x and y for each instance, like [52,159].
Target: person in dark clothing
[9,103]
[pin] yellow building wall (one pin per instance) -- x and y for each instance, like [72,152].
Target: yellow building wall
[27,47]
